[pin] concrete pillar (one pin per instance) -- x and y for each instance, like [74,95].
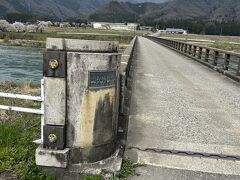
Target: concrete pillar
[238,68]
[185,48]
[81,102]
[190,49]
[207,55]
[226,61]
[194,50]
[182,46]
[200,53]
[215,58]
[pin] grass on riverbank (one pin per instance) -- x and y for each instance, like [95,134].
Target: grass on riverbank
[204,37]
[228,43]
[39,39]
[23,43]
[96,31]
[18,130]
[225,46]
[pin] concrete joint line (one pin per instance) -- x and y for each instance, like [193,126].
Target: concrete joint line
[187,153]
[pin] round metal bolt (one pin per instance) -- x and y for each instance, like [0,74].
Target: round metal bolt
[54,64]
[52,138]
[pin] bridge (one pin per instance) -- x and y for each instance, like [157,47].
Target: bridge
[184,117]
[171,105]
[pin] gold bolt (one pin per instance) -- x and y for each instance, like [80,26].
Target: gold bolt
[54,64]
[52,138]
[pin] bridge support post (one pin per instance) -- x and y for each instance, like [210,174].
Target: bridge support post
[182,47]
[207,55]
[179,46]
[238,70]
[81,106]
[226,61]
[194,50]
[185,48]
[215,58]
[200,53]
[190,49]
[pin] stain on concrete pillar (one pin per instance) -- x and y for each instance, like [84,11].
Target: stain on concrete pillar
[103,122]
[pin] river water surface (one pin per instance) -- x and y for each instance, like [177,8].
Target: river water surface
[20,64]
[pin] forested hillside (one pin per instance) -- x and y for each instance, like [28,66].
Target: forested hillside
[197,16]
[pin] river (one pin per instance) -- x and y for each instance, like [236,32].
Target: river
[20,64]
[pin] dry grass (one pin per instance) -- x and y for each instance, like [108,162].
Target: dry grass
[205,37]
[220,42]
[26,89]
[17,132]
[97,31]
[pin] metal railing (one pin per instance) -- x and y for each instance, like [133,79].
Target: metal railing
[222,61]
[27,110]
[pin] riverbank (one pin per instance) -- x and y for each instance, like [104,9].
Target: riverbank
[23,43]
[39,39]
[228,43]
[17,133]
[36,44]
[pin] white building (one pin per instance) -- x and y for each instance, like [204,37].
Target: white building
[175,31]
[64,24]
[115,26]
[97,25]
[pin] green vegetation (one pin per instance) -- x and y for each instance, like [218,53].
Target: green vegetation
[129,169]
[115,12]
[17,133]
[230,28]
[225,46]
[39,39]
[93,178]
[204,37]
[22,17]
[228,43]
[216,17]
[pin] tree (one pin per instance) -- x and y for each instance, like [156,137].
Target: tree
[32,28]
[20,27]
[11,28]
[42,25]
[3,25]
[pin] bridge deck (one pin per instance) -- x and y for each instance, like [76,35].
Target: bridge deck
[180,104]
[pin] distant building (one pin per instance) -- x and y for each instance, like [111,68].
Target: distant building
[97,25]
[175,31]
[115,26]
[162,31]
[64,24]
[146,28]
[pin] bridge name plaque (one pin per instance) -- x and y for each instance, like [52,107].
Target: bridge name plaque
[102,79]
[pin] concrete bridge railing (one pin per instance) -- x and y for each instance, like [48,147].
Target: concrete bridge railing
[87,96]
[126,75]
[125,72]
[225,62]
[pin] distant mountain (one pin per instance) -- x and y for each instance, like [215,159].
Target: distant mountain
[209,10]
[61,9]
[127,10]
[144,1]
[117,12]
[217,10]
